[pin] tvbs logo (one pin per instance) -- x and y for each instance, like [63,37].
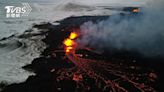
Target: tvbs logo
[17,12]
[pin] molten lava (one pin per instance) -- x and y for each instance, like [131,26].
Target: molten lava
[68,49]
[73,35]
[70,43]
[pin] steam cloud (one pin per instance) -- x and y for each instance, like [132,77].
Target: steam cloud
[144,33]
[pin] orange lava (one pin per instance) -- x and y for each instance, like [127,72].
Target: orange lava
[73,35]
[68,49]
[70,43]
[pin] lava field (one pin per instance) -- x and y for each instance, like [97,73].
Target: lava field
[84,70]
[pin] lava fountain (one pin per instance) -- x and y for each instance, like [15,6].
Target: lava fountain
[70,43]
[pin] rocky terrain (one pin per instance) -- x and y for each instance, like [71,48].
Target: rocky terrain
[118,71]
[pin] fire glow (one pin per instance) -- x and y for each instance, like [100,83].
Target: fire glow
[136,10]
[70,43]
[73,35]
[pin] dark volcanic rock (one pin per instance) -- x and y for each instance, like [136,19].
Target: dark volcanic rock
[45,78]
[54,72]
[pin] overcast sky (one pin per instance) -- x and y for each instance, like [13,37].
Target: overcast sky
[83,1]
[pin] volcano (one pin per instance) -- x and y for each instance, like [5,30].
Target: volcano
[84,70]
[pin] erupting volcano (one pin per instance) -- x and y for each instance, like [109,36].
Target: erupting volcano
[113,73]
[64,66]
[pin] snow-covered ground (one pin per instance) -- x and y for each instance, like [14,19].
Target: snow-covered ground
[14,55]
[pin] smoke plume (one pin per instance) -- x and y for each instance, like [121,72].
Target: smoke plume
[143,33]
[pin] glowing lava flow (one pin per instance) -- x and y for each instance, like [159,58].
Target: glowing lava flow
[110,74]
[69,43]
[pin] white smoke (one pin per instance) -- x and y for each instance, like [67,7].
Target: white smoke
[143,33]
